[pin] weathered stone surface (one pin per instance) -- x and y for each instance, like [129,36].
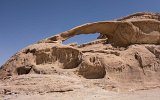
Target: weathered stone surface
[137,28]
[125,57]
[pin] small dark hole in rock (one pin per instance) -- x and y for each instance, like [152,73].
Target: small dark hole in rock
[23,70]
[30,51]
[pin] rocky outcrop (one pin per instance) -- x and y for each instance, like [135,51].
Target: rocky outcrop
[125,57]
[140,28]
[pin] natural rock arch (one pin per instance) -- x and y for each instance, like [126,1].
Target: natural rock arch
[133,68]
[119,33]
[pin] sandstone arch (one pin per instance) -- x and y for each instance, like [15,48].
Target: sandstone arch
[133,67]
[121,33]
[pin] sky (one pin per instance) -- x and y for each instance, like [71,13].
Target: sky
[24,22]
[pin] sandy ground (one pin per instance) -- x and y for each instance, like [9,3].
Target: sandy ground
[59,87]
[91,94]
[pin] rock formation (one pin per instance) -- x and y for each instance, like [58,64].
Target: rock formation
[140,28]
[125,57]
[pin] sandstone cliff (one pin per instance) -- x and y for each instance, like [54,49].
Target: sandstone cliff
[125,57]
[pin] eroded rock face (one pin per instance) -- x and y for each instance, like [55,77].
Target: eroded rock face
[92,68]
[31,58]
[129,65]
[139,28]
[67,57]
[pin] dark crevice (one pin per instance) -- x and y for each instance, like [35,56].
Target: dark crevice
[30,51]
[154,51]
[68,90]
[24,70]
[139,59]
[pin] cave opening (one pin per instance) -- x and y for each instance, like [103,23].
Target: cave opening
[24,70]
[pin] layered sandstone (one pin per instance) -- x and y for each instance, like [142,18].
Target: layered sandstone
[125,57]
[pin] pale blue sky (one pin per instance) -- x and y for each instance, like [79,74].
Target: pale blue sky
[23,22]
